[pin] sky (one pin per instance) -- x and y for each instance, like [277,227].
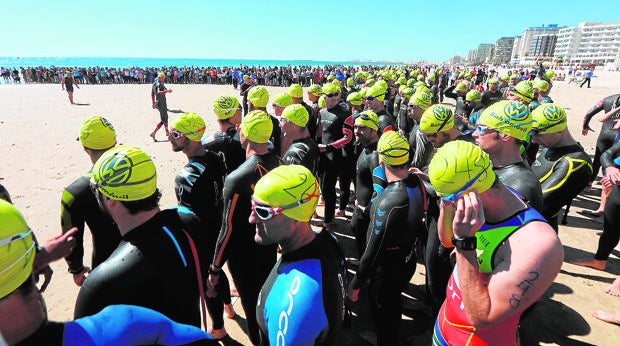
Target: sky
[329,30]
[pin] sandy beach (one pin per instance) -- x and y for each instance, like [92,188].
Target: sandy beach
[41,156]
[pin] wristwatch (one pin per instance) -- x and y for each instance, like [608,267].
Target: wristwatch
[465,243]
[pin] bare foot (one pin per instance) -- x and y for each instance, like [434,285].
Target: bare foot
[607,317]
[152,135]
[229,311]
[595,264]
[614,288]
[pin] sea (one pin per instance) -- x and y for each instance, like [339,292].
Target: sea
[120,62]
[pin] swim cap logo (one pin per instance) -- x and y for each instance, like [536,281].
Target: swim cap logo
[515,111]
[115,171]
[225,104]
[553,113]
[442,113]
[106,123]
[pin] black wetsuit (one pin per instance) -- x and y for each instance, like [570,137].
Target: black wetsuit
[389,260]
[313,121]
[523,180]
[366,163]
[403,120]
[563,173]
[69,84]
[248,262]
[386,121]
[199,187]
[303,151]
[302,300]
[611,217]
[337,131]
[227,145]
[153,267]
[489,97]
[606,136]
[243,91]
[79,206]
[158,93]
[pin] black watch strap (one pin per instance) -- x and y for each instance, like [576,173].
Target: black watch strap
[465,243]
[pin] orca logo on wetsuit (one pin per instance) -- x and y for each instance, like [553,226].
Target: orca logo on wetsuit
[284,314]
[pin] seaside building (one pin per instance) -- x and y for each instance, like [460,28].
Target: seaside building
[503,50]
[590,43]
[522,46]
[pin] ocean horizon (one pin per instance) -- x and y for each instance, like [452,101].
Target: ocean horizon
[123,62]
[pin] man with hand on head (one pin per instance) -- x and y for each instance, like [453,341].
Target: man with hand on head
[302,300]
[507,255]
[78,205]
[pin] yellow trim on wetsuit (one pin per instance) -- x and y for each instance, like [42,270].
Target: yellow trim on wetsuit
[571,169]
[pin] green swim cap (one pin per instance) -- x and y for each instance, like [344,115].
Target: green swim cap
[550,74]
[370,82]
[408,92]
[369,119]
[330,77]
[321,102]
[410,82]
[459,167]
[473,95]
[296,91]
[355,98]
[258,96]
[420,78]
[508,117]
[225,106]
[329,88]
[17,249]
[257,126]
[393,149]
[125,173]
[523,90]
[421,99]
[505,78]
[97,133]
[191,125]
[315,90]
[401,80]
[282,100]
[493,81]
[350,82]
[297,114]
[291,187]
[377,91]
[549,118]
[436,118]
[541,85]
[462,87]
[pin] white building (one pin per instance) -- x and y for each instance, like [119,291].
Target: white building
[589,43]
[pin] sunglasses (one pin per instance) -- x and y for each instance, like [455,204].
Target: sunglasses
[265,212]
[332,94]
[283,120]
[445,121]
[176,134]
[483,129]
[15,237]
[368,118]
[451,198]
[412,106]
[370,98]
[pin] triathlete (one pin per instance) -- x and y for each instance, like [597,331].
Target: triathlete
[67,83]
[302,302]
[374,102]
[300,148]
[158,98]
[492,94]
[225,141]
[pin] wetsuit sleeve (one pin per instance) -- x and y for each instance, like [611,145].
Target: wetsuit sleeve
[448,92]
[231,197]
[132,325]
[591,112]
[70,218]
[347,134]
[607,158]
[561,184]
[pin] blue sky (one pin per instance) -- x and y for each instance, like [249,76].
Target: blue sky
[330,30]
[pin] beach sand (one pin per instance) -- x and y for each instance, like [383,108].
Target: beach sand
[41,156]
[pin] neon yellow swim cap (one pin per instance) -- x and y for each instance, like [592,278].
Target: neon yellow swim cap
[296,91]
[258,96]
[257,126]
[225,106]
[462,87]
[508,117]
[421,99]
[550,74]
[291,187]
[459,167]
[473,95]
[160,74]
[393,149]
[350,82]
[321,102]
[283,100]
[297,114]
[408,92]
[541,85]
[377,91]
[125,173]
[549,118]
[369,119]
[17,249]
[370,82]
[191,125]
[315,90]
[523,90]
[436,118]
[97,133]
[329,88]
[355,98]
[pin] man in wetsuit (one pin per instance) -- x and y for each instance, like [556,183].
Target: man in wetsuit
[297,94]
[421,149]
[162,257]
[607,134]
[337,131]
[389,260]
[541,94]
[199,187]
[374,102]
[507,256]
[158,97]
[302,300]
[438,124]
[563,168]
[492,94]
[258,98]
[23,314]
[67,83]
[243,91]
[298,146]
[500,132]
[78,205]
[225,141]
[249,263]
[366,130]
